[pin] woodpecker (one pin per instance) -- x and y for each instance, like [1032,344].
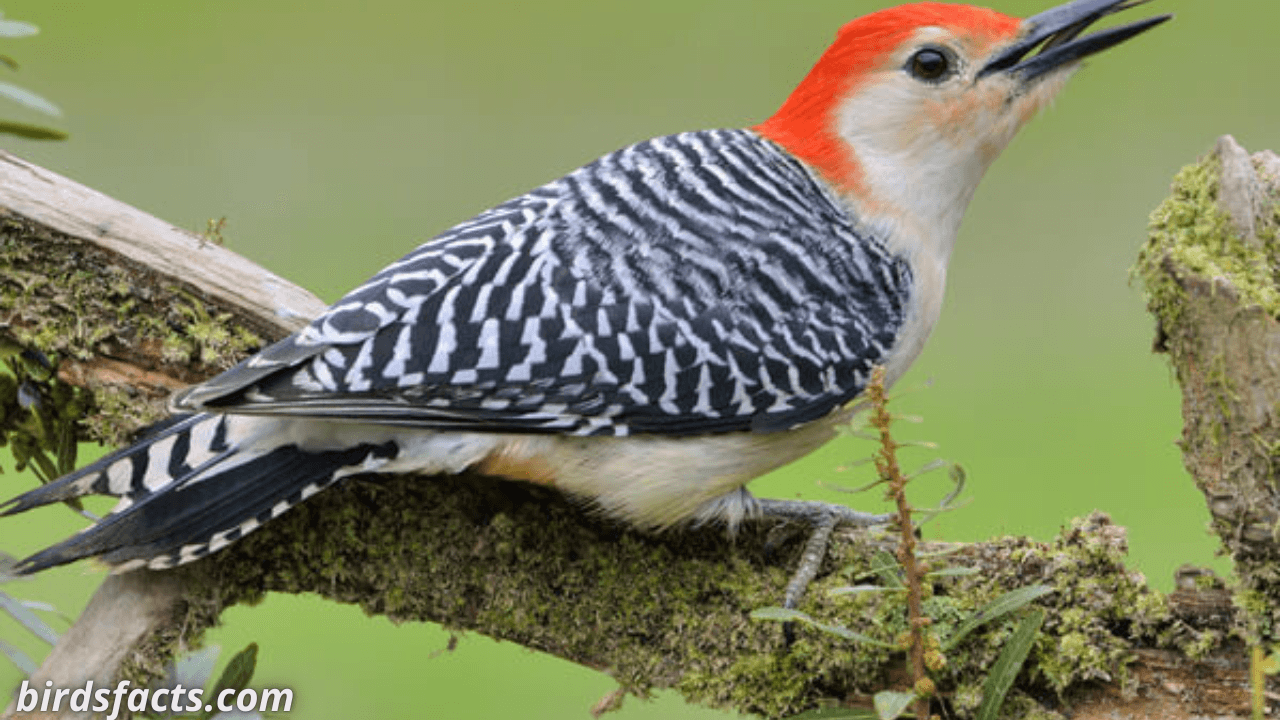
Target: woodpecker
[647,333]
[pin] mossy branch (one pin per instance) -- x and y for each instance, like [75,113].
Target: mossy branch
[141,308]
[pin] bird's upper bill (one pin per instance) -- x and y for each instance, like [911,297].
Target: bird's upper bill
[1058,34]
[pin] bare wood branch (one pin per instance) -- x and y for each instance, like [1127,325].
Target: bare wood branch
[225,278]
[521,563]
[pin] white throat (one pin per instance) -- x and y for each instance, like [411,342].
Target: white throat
[920,154]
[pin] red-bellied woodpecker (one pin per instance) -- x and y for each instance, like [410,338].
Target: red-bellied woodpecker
[649,332]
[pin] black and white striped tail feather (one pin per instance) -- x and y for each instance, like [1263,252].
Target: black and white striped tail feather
[123,473]
[185,493]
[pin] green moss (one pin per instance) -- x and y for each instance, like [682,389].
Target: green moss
[201,338]
[773,683]
[116,413]
[1203,644]
[1028,709]
[1190,231]
[1098,612]
[52,305]
[150,659]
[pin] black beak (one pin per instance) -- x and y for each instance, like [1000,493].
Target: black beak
[1059,29]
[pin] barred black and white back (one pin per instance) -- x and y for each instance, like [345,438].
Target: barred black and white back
[701,284]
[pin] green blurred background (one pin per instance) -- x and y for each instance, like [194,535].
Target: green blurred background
[334,136]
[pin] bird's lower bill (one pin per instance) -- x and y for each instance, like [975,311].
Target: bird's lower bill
[1058,36]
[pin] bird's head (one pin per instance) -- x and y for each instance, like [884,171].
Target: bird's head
[910,105]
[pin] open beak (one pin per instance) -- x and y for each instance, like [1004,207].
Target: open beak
[1059,30]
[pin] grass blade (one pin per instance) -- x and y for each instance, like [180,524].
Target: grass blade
[837,714]
[957,571]
[999,607]
[238,672]
[780,614]
[886,566]
[17,29]
[28,619]
[1008,665]
[24,96]
[17,657]
[31,132]
[857,589]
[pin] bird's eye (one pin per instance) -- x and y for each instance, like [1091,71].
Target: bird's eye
[929,64]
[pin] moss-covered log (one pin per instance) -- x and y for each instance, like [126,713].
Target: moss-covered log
[521,563]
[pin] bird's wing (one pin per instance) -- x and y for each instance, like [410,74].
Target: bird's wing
[703,282]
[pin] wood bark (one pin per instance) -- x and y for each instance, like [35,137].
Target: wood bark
[522,563]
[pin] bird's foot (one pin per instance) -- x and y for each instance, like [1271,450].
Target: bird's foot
[822,518]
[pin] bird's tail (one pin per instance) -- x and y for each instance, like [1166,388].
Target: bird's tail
[191,487]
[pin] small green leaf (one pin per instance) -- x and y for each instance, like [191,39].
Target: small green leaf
[958,476]
[780,614]
[43,467]
[836,714]
[239,671]
[17,29]
[1006,668]
[1270,664]
[928,468]
[46,607]
[859,462]
[999,607]
[786,615]
[891,704]
[847,634]
[863,436]
[953,572]
[885,565]
[856,589]
[929,514]
[194,669]
[28,98]
[852,490]
[942,552]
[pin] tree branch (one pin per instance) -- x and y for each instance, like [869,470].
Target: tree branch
[132,307]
